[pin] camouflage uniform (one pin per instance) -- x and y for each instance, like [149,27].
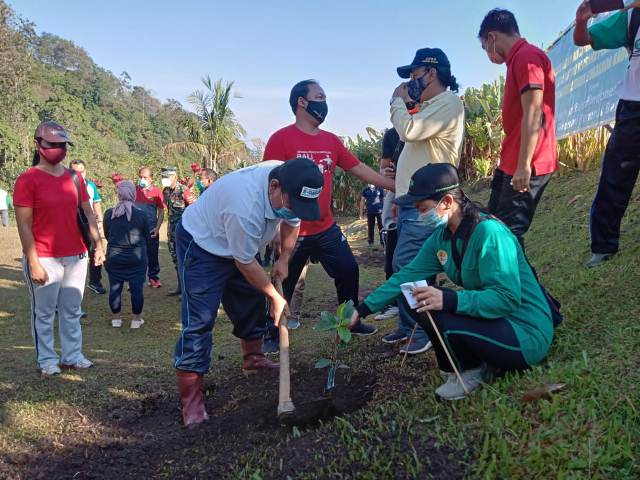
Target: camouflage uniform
[176,204]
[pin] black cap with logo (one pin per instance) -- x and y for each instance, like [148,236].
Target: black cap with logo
[168,171]
[302,181]
[425,57]
[430,182]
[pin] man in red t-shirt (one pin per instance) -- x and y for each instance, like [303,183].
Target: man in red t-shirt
[150,200]
[321,239]
[529,155]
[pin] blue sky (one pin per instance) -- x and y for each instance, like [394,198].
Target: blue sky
[351,46]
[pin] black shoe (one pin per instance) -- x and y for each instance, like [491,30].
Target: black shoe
[97,288]
[271,346]
[83,314]
[363,330]
[174,292]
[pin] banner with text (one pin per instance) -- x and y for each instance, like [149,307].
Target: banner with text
[587,84]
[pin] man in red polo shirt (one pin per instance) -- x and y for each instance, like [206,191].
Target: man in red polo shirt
[529,155]
[150,200]
[321,239]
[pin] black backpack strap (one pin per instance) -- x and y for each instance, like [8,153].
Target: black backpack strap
[634,26]
[76,182]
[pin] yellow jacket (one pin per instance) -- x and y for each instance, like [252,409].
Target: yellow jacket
[432,135]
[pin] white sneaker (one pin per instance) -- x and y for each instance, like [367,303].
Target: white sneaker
[80,364]
[49,370]
[116,322]
[452,388]
[137,323]
[387,313]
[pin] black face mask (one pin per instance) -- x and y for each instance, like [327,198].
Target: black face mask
[317,110]
[416,87]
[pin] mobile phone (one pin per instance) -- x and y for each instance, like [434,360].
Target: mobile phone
[601,6]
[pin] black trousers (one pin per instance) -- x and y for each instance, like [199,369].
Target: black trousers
[371,223]
[472,341]
[620,167]
[153,245]
[115,295]
[516,209]
[391,240]
[332,250]
[95,273]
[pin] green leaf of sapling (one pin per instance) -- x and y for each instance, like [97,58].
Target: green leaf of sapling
[344,334]
[322,363]
[327,322]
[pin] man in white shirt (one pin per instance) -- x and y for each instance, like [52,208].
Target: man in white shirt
[5,204]
[217,241]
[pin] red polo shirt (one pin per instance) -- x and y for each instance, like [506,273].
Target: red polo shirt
[528,68]
[327,151]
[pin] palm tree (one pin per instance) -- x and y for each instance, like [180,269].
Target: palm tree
[213,133]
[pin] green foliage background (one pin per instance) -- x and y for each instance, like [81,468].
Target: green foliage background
[115,126]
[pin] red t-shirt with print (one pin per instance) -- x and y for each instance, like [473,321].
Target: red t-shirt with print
[152,196]
[528,68]
[327,151]
[54,201]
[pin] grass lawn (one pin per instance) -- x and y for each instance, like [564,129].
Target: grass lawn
[121,418]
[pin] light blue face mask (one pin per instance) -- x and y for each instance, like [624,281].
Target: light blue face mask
[432,220]
[283,212]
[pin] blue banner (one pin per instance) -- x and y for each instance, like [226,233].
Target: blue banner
[587,84]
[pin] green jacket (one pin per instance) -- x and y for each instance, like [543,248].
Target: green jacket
[497,280]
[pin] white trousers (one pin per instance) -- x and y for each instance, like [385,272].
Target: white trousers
[62,294]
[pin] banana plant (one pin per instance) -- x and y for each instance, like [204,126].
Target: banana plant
[338,325]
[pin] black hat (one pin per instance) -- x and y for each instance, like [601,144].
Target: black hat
[430,181]
[425,57]
[302,181]
[168,171]
[52,132]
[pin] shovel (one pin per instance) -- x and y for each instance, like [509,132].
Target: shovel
[309,412]
[285,405]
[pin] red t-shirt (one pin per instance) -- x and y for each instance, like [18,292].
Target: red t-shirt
[326,150]
[528,68]
[54,201]
[152,196]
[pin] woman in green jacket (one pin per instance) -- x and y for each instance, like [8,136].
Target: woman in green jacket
[502,318]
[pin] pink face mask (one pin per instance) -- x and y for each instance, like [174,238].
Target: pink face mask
[53,155]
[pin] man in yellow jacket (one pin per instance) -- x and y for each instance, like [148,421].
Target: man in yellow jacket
[432,134]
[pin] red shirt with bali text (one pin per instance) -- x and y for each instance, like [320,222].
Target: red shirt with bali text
[327,151]
[54,201]
[528,68]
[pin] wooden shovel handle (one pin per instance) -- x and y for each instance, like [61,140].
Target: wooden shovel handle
[285,405]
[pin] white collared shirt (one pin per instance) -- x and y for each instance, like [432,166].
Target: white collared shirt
[234,218]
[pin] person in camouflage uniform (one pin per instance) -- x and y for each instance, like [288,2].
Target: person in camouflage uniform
[177,197]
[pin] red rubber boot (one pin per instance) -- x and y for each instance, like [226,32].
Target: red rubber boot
[253,360]
[191,397]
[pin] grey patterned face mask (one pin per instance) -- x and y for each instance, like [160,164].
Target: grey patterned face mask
[416,87]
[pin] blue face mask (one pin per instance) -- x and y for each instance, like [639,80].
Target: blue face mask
[283,212]
[201,187]
[432,220]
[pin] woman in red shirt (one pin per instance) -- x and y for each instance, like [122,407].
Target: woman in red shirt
[55,255]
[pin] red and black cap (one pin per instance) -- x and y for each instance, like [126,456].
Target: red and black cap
[430,182]
[302,181]
[425,57]
[52,132]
